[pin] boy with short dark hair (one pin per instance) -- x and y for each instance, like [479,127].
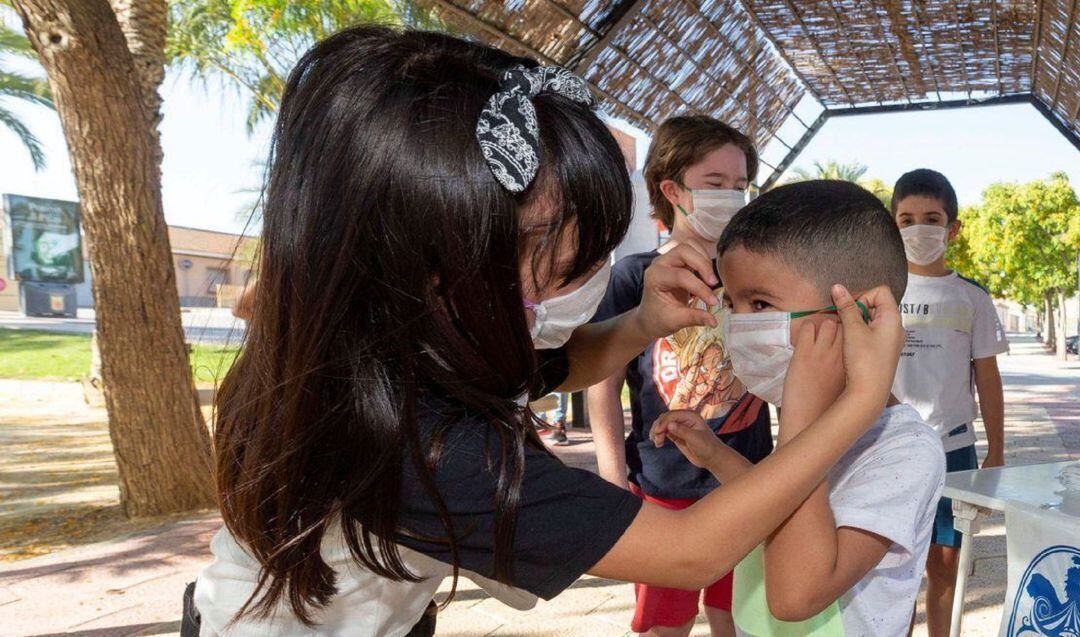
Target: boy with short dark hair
[860,540]
[697,171]
[953,339]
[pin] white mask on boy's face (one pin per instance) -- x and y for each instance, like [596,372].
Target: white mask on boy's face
[924,243]
[557,318]
[759,345]
[713,209]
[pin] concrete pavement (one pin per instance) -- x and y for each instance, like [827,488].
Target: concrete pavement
[132,586]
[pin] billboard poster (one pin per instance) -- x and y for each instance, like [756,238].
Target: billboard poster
[44,239]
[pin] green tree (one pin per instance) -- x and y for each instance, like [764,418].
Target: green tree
[15,85]
[880,189]
[253,44]
[852,171]
[1024,242]
[830,169]
[960,258]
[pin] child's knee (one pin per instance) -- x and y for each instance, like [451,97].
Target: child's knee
[941,563]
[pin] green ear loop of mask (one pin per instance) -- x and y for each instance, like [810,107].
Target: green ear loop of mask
[832,308]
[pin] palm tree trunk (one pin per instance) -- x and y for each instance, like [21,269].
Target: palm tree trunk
[104,68]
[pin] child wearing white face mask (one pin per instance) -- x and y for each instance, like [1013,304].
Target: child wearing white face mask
[954,337]
[697,172]
[849,561]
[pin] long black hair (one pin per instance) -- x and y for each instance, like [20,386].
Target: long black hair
[389,267]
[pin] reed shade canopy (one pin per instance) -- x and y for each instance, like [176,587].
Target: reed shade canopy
[750,62]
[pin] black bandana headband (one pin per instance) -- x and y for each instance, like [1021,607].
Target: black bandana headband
[507,131]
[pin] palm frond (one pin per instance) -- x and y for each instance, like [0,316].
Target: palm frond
[13,42]
[253,44]
[31,89]
[28,139]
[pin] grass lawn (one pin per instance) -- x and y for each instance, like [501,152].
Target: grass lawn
[39,355]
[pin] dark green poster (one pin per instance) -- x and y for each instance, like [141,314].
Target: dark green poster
[45,242]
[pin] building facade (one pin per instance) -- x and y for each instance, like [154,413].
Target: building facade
[211,267]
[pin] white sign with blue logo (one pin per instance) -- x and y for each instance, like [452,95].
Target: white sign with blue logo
[1044,573]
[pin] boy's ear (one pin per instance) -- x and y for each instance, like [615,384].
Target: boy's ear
[954,230]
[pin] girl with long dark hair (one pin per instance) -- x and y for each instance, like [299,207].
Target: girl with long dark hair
[438,220]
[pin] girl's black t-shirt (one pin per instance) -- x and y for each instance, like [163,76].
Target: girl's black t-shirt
[567,518]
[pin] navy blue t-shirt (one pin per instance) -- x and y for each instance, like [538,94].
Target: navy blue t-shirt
[687,370]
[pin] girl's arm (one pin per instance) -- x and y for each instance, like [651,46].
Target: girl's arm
[597,351]
[696,546]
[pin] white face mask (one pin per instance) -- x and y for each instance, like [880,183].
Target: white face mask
[923,243]
[557,318]
[759,346]
[713,209]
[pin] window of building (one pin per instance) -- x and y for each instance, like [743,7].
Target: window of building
[214,278]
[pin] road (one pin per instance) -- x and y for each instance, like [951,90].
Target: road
[202,325]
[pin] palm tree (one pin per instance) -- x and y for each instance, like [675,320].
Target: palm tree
[253,44]
[853,172]
[830,169]
[17,86]
[105,62]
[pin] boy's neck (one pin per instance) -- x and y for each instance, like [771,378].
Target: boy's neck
[937,268]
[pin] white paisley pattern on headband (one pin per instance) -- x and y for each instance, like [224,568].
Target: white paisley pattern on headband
[507,130]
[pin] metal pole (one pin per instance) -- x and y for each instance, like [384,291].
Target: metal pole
[965,520]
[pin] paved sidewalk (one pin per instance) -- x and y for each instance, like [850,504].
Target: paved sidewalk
[132,586]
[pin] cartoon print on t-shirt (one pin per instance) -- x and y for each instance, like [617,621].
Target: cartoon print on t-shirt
[691,370]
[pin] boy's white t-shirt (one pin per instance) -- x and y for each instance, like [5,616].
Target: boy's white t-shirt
[889,484]
[949,321]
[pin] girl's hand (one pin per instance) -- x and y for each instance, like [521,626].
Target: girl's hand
[690,433]
[871,350]
[671,281]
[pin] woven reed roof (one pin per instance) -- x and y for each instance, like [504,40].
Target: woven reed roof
[750,62]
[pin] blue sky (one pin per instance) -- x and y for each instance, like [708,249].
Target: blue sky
[210,159]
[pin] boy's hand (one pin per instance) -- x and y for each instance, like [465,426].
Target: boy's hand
[815,376]
[690,433]
[871,350]
[994,460]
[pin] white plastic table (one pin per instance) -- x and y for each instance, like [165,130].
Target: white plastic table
[973,491]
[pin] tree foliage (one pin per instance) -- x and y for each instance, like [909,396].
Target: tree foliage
[1023,240]
[852,171]
[830,169]
[253,44]
[18,86]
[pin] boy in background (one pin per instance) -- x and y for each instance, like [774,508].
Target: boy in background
[862,536]
[953,339]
